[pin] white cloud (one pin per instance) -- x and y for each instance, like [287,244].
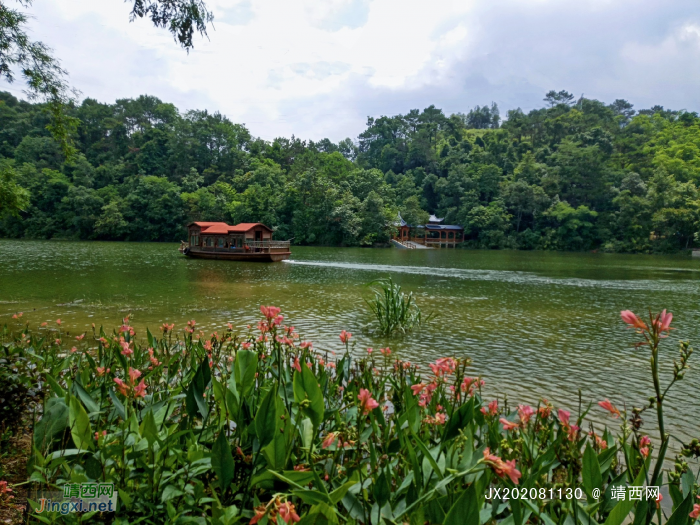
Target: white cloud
[318,68]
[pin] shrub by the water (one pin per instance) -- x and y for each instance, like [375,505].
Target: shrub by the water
[394,310]
[262,428]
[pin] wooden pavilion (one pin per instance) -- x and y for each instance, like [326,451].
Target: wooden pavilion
[432,235]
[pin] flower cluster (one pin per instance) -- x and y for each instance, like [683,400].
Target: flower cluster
[274,509]
[502,468]
[126,389]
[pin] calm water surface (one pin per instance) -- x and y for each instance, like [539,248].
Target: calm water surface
[535,324]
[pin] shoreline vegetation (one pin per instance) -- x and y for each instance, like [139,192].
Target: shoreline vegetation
[573,175]
[261,427]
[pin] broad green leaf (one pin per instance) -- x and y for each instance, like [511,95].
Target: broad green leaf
[320,514]
[52,425]
[54,385]
[266,418]
[339,493]
[459,420]
[244,368]
[148,428]
[381,489]
[119,407]
[592,478]
[680,515]
[620,511]
[222,461]
[306,388]
[79,425]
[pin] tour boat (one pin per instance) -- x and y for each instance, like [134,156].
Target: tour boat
[247,241]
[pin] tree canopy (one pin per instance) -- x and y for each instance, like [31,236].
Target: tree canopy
[573,175]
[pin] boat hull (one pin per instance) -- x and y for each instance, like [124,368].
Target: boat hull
[251,257]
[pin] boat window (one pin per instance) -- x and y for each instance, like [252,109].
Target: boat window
[221,242]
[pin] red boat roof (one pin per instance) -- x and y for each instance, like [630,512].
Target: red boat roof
[221,228]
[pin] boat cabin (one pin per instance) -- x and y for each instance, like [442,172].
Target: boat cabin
[222,235]
[244,241]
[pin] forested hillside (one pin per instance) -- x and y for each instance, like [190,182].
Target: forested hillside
[574,175]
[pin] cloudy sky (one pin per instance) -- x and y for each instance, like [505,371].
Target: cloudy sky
[319,68]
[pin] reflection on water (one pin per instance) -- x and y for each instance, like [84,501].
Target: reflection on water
[535,324]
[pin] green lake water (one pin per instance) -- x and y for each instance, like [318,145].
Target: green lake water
[534,323]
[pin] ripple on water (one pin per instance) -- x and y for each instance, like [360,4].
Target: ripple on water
[535,324]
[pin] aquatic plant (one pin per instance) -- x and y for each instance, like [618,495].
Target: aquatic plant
[394,310]
[226,429]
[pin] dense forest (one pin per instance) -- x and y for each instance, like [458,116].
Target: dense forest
[574,175]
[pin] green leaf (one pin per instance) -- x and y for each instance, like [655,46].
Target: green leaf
[170,492]
[465,510]
[54,385]
[680,515]
[620,511]
[195,393]
[222,461]
[148,428]
[320,514]
[266,418]
[244,369]
[276,451]
[592,478]
[459,420]
[88,401]
[79,425]
[381,489]
[339,493]
[306,388]
[52,425]
[117,404]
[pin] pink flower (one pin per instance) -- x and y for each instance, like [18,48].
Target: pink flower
[367,404]
[564,416]
[696,511]
[385,351]
[345,337]
[417,389]
[140,389]
[440,418]
[306,344]
[121,386]
[270,312]
[664,322]
[370,350]
[644,451]
[508,425]
[246,346]
[502,468]
[287,513]
[525,412]
[330,439]
[58,322]
[134,375]
[102,371]
[573,432]
[297,365]
[73,350]
[17,316]
[600,442]
[126,349]
[645,441]
[98,434]
[632,320]
[492,409]
[207,346]
[79,337]
[607,405]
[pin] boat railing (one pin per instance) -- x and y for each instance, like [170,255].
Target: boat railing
[268,244]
